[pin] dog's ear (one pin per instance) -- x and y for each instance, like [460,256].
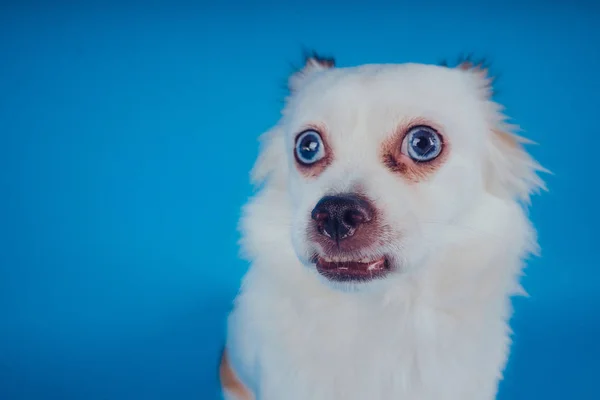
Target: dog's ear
[313,63]
[511,172]
[271,162]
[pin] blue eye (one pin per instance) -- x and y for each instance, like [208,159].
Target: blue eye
[422,143]
[309,147]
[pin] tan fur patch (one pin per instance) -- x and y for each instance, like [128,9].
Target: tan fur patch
[509,140]
[230,381]
[412,171]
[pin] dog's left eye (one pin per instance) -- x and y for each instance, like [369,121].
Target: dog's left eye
[309,147]
[422,143]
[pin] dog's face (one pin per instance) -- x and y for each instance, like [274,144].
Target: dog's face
[377,160]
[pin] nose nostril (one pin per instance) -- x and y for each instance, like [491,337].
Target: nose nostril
[354,218]
[320,216]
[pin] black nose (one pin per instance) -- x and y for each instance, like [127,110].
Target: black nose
[338,217]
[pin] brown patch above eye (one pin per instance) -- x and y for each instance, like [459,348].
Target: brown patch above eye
[398,162]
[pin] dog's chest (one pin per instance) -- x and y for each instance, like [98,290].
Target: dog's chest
[322,350]
[332,357]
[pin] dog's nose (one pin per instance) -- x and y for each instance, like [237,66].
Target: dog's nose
[338,217]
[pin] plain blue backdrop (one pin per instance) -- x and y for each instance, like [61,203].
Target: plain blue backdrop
[126,135]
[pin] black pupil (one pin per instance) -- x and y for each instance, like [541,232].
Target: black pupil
[423,143]
[309,146]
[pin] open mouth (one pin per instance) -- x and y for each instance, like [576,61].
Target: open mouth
[352,270]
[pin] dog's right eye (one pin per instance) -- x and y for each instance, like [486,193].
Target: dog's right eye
[309,147]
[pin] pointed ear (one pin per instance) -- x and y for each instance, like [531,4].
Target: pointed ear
[313,63]
[511,172]
[271,164]
[479,68]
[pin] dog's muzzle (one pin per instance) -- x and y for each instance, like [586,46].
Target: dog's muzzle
[346,227]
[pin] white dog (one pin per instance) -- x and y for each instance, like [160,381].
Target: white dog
[386,239]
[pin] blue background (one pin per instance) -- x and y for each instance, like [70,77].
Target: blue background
[126,135]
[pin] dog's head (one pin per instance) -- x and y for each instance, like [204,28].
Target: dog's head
[374,170]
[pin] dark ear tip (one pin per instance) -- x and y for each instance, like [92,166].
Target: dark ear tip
[312,57]
[468,62]
[328,62]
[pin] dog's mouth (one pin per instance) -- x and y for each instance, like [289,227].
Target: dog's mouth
[343,270]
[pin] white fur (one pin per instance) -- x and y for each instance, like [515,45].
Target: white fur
[437,327]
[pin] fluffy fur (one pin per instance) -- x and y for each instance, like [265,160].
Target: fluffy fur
[436,327]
